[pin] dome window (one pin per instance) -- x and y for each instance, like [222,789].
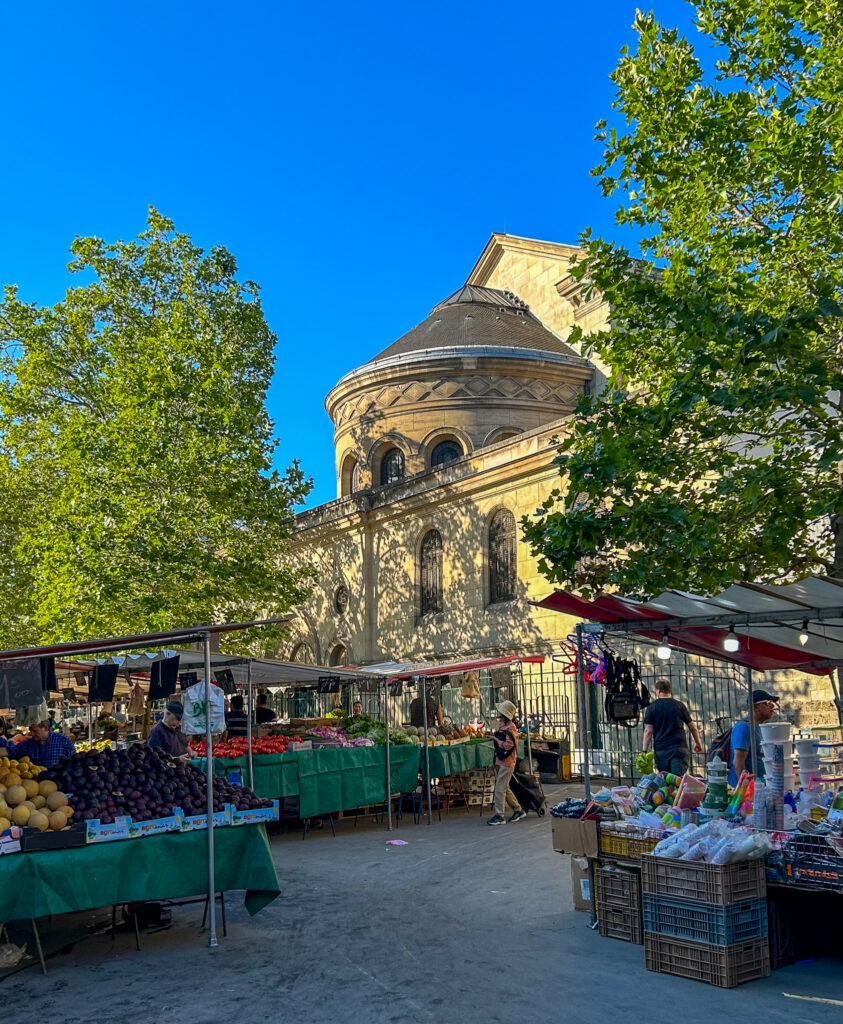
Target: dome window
[392,466]
[445,452]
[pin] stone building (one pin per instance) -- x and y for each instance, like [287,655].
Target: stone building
[443,441]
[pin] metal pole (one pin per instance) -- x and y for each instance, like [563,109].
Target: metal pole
[423,690]
[209,769]
[751,716]
[388,763]
[249,713]
[582,701]
[527,717]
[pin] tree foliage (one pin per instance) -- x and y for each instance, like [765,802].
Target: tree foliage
[136,485]
[714,453]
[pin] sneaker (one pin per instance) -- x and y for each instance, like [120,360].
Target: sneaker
[517,815]
[496,819]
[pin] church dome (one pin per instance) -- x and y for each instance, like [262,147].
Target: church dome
[480,368]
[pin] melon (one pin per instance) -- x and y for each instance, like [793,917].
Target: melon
[39,821]
[13,779]
[38,802]
[67,811]
[31,787]
[28,804]
[5,810]
[57,821]
[4,824]
[46,787]
[20,815]
[56,800]
[15,795]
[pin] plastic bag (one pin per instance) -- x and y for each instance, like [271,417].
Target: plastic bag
[193,723]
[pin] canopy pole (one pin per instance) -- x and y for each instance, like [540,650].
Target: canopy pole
[209,769]
[388,763]
[526,718]
[582,701]
[750,704]
[249,713]
[423,690]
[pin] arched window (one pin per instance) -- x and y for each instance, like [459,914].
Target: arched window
[430,572]
[355,477]
[349,475]
[302,654]
[444,452]
[392,466]
[503,568]
[339,655]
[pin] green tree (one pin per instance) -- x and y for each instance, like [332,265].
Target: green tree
[714,453]
[136,485]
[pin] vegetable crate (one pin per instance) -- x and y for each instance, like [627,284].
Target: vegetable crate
[697,881]
[627,842]
[618,897]
[704,922]
[722,966]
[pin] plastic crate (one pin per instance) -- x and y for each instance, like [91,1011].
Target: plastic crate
[703,922]
[618,887]
[620,922]
[722,884]
[627,843]
[723,966]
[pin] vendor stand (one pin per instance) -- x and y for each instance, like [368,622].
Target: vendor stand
[701,919]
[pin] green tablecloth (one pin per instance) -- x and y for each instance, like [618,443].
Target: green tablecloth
[168,866]
[450,760]
[342,778]
[276,775]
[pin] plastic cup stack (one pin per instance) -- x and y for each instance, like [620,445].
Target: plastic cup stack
[778,764]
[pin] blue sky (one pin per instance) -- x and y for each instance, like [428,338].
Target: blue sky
[354,158]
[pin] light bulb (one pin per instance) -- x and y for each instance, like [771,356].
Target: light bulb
[663,650]
[731,642]
[803,636]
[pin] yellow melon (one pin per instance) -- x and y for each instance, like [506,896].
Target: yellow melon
[39,821]
[67,810]
[29,804]
[15,795]
[46,787]
[56,800]
[4,824]
[57,821]
[38,802]
[31,787]
[13,779]
[20,815]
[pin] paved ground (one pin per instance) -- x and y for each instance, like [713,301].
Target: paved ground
[464,925]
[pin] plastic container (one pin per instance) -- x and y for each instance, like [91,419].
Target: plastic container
[723,966]
[722,884]
[619,923]
[775,732]
[804,747]
[627,843]
[620,887]
[771,750]
[703,922]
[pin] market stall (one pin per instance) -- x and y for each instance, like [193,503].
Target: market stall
[691,867]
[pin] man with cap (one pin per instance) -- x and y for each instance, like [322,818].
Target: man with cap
[167,736]
[506,753]
[740,745]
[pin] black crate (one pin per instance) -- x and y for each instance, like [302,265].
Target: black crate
[620,923]
[722,966]
[33,840]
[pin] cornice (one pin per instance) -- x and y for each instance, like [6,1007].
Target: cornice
[499,243]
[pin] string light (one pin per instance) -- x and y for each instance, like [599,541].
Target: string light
[663,650]
[731,642]
[803,636]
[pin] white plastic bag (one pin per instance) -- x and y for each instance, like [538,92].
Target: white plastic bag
[193,723]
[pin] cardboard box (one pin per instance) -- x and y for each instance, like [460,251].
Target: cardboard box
[191,822]
[570,835]
[10,840]
[99,833]
[581,883]
[156,826]
[262,814]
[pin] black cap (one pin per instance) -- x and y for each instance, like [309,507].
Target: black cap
[175,707]
[761,695]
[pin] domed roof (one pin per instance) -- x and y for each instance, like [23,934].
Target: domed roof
[476,317]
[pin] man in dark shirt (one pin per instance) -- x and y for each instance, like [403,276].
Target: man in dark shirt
[263,713]
[664,726]
[236,720]
[434,712]
[167,736]
[44,747]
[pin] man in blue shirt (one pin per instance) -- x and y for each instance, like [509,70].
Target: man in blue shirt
[44,747]
[740,753]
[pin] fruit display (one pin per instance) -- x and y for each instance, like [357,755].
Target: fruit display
[142,784]
[83,745]
[238,746]
[32,802]
[23,769]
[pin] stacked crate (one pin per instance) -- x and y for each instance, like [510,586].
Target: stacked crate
[618,897]
[705,921]
[478,786]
